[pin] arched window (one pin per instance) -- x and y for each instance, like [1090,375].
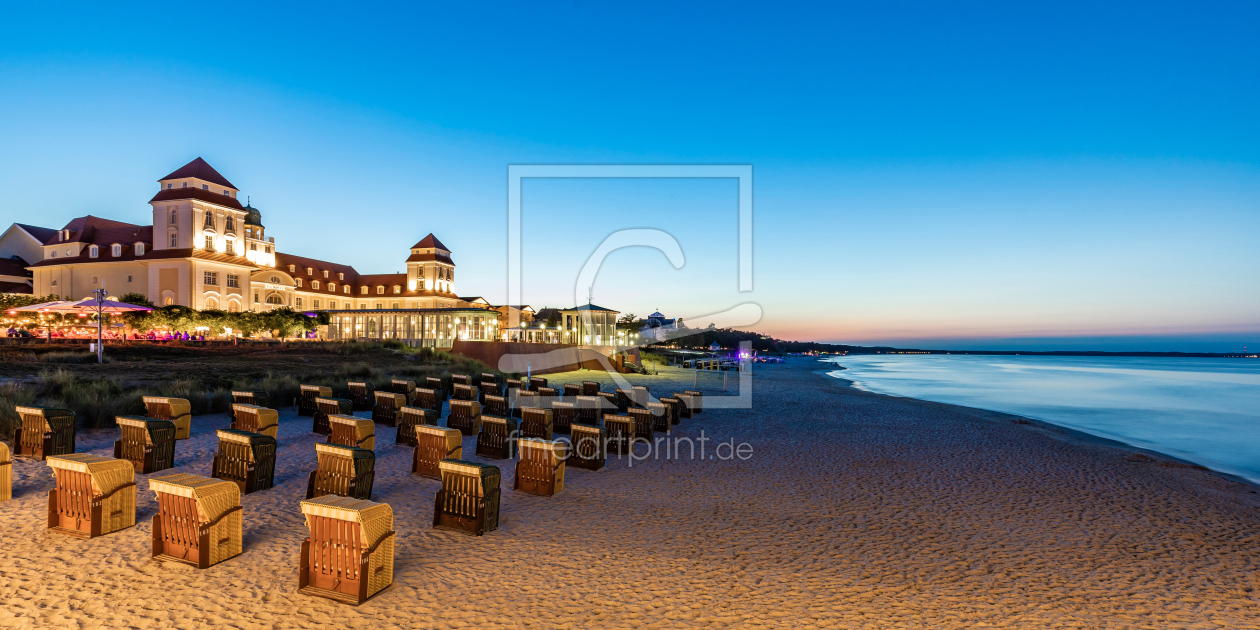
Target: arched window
[380,290]
[229,225]
[363,290]
[234,307]
[174,216]
[212,303]
[115,250]
[209,225]
[274,299]
[297,282]
[346,289]
[315,284]
[139,249]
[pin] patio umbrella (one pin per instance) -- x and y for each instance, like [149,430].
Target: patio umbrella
[56,306]
[103,305]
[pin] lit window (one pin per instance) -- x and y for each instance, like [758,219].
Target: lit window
[229,225]
[230,248]
[93,251]
[363,290]
[380,290]
[233,281]
[315,284]
[346,289]
[294,267]
[397,289]
[209,223]
[315,303]
[114,250]
[212,278]
[297,302]
[209,243]
[297,282]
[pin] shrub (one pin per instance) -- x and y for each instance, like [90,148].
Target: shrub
[12,395]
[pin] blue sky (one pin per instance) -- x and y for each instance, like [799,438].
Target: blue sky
[1053,173]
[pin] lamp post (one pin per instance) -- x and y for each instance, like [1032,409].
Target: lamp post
[100,301]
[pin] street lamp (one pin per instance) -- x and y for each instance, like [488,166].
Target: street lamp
[100,303]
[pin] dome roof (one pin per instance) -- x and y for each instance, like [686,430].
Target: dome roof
[253,216]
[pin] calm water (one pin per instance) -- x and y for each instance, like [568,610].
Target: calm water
[1203,410]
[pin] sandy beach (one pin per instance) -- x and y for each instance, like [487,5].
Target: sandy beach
[855,510]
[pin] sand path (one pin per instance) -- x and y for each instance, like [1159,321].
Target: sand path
[854,511]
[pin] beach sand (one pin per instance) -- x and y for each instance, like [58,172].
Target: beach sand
[855,510]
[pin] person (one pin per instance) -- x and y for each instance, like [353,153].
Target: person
[12,331]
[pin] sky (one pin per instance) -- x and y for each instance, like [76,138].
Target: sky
[1034,175]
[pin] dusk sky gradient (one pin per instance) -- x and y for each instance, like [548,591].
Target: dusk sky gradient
[1054,175]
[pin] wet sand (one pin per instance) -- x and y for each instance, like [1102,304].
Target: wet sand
[855,510]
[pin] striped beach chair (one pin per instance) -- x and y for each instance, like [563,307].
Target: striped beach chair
[44,431]
[326,406]
[535,382]
[177,410]
[497,438]
[644,422]
[487,389]
[94,495]
[255,419]
[246,459]
[147,443]
[362,395]
[434,444]
[469,498]
[536,423]
[352,431]
[404,387]
[343,470]
[310,393]
[349,556]
[429,398]
[496,406]
[466,416]
[440,385]
[624,399]
[198,520]
[464,392]
[386,409]
[688,405]
[697,398]
[256,398]
[589,444]
[408,419]
[676,408]
[541,468]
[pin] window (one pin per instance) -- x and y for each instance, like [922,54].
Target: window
[315,303]
[173,215]
[230,248]
[128,278]
[54,283]
[297,302]
[233,281]
[93,251]
[363,290]
[275,279]
[380,305]
[174,240]
[255,298]
[253,247]
[212,278]
[315,285]
[397,289]
[380,290]
[227,192]
[53,254]
[274,299]
[362,306]
[332,304]
[209,243]
[185,185]
[346,289]
[115,250]
[170,186]
[325,273]
[341,276]
[229,224]
[268,249]
[395,306]
[209,223]
[297,282]
[96,280]
[205,186]
[139,249]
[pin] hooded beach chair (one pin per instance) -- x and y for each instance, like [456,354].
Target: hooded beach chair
[623,399]
[466,416]
[496,406]
[343,470]
[460,379]
[310,393]
[326,406]
[434,444]
[591,409]
[547,396]
[676,408]
[440,385]
[464,392]
[525,400]
[352,431]
[408,419]
[688,405]
[487,377]
[662,416]
[147,443]
[497,438]
[429,398]
[94,495]
[536,423]
[589,444]
[535,382]
[6,473]
[487,389]
[349,556]
[406,388]
[198,520]
[469,498]
[387,405]
[177,410]
[541,468]
[620,433]
[44,431]
[640,395]
[246,459]
[697,398]
[362,395]
[644,422]
[590,388]
[563,415]
[571,391]
[256,398]
[515,383]
[255,419]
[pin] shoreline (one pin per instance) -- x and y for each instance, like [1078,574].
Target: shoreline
[1079,435]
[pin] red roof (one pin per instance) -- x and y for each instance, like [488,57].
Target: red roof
[97,231]
[210,196]
[430,257]
[430,241]
[200,169]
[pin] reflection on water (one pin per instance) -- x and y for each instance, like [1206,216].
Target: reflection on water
[1203,410]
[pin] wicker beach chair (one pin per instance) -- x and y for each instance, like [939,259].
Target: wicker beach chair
[610,401]
[536,423]
[640,395]
[387,405]
[644,422]
[676,408]
[429,398]
[255,419]
[246,459]
[343,470]
[44,431]
[526,400]
[487,389]
[349,556]
[326,406]
[465,392]
[147,443]
[460,379]
[352,431]
[620,433]
[198,520]
[536,382]
[563,415]
[688,405]
[440,385]
[547,396]
[571,391]
[406,388]
[310,393]
[590,388]
[624,400]
[591,409]
[434,444]
[498,437]
[6,473]
[662,416]
[177,410]
[469,498]
[697,399]
[362,395]
[408,419]
[515,383]
[541,468]
[496,406]
[94,495]
[589,444]
[466,416]
[258,398]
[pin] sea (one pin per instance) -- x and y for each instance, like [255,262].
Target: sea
[1203,410]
